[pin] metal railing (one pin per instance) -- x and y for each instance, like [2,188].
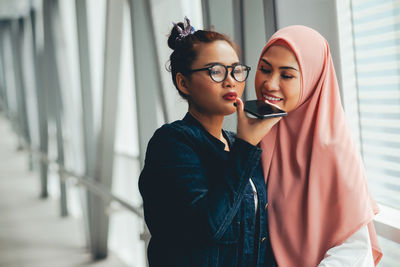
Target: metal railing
[90,184]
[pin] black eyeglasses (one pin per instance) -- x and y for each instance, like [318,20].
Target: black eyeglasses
[219,72]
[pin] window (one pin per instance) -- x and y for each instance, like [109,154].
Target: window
[376,29]
[376,42]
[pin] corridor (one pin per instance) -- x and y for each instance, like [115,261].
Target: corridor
[33,234]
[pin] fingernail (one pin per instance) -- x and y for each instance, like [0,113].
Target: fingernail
[235,104]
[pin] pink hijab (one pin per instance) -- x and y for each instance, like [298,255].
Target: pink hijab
[317,190]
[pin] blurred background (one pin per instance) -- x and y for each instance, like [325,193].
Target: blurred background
[83,86]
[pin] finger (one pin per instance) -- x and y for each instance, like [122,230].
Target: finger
[270,122]
[239,107]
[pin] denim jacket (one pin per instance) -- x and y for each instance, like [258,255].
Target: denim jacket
[198,202]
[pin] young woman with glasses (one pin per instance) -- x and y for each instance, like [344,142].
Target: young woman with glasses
[203,188]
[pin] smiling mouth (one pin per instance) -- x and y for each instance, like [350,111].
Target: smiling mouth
[271,98]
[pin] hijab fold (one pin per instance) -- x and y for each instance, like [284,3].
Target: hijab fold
[317,190]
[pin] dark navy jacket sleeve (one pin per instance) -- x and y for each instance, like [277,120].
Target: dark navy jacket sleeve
[183,198]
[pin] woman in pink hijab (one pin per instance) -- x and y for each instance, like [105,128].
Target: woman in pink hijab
[320,209]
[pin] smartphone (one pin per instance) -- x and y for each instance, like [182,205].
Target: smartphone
[263,110]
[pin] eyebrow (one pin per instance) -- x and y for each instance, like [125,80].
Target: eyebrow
[213,63]
[281,68]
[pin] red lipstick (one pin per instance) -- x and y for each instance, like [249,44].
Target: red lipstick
[230,96]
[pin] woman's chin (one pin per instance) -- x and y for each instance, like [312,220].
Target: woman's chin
[230,111]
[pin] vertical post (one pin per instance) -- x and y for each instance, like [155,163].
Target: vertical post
[28,84]
[16,31]
[89,136]
[205,6]
[3,91]
[238,26]
[105,145]
[41,93]
[253,39]
[212,16]
[50,14]
[9,75]
[148,85]
[270,21]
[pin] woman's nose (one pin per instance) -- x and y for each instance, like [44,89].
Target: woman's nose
[229,81]
[272,84]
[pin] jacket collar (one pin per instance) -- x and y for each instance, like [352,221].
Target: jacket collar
[228,135]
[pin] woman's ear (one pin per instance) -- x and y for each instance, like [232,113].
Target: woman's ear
[182,83]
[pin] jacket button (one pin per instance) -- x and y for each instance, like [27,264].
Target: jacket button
[263,239]
[266,206]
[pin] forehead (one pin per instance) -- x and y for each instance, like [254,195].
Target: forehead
[281,54]
[217,51]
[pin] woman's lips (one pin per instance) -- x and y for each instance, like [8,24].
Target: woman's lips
[230,96]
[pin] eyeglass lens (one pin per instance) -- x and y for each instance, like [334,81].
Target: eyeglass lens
[218,73]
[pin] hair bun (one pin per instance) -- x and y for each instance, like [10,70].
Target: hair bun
[173,39]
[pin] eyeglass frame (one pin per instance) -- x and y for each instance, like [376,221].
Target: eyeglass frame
[226,71]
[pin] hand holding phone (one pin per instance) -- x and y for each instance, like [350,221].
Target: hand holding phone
[263,110]
[253,130]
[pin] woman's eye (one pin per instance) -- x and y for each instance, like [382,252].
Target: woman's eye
[285,76]
[264,70]
[237,70]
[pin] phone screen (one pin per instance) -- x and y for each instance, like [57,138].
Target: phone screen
[261,110]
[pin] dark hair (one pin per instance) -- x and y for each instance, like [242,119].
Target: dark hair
[184,53]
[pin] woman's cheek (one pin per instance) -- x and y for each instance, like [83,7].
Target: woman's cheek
[257,84]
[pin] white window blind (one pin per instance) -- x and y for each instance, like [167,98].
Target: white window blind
[376,38]
[376,29]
